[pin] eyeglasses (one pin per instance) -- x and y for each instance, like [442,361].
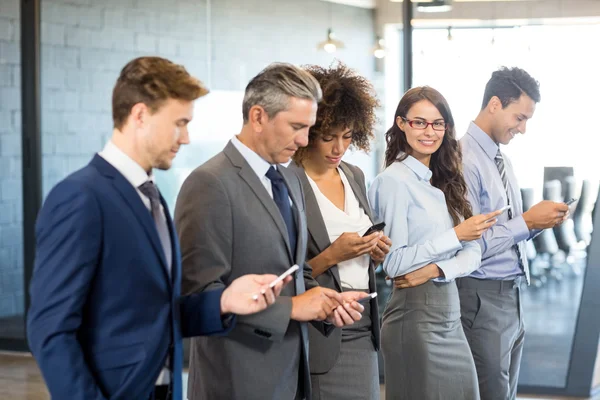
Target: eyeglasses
[420,124]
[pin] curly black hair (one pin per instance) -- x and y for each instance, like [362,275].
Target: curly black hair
[348,101]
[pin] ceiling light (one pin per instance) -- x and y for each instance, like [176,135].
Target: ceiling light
[379,49]
[434,6]
[331,44]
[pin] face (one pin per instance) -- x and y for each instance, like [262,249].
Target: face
[279,137]
[160,135]
[328,149]
[423,141]
[509,121]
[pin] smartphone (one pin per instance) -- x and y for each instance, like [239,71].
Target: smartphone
[503,210]
[365,300]
[281,277]
[375,228]
[571,201]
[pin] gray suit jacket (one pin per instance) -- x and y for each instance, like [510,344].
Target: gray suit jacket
[324,351]
[229,226]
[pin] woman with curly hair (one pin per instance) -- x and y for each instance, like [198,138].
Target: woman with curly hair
[343,365]
[421,196]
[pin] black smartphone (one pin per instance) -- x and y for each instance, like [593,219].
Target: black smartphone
[375,228]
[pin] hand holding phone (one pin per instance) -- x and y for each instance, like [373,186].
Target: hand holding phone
[281,277]
[365,300]
[375,228]
[502,211]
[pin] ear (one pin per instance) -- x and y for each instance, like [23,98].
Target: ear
[257,117]
[494,105]
[400,122]
[139,115]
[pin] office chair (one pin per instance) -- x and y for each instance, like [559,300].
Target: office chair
[538,263]
[546,242]
[582,217]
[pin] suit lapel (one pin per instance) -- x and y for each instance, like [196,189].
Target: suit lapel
[176,258]
[297,206]
[132,198]
[316,225]
[356,188]
[249,176]
[314,218]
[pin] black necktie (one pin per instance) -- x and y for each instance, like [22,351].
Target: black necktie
[282,199]
[150,190]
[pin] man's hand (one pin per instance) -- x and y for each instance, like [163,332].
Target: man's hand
[315,304]
[379,252]
[546,214]
[350,311]
[241,296]
[418,277]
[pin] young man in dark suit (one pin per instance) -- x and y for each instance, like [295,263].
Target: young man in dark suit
[106,316]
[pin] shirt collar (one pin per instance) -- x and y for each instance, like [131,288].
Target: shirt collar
[485,142]
[418,168]
[130,169]
[257,163]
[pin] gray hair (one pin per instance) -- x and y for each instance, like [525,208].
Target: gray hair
[273,86]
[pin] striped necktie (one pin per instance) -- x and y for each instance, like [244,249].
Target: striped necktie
[499,159]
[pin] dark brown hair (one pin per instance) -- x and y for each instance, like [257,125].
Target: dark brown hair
[508,84]
[446,162]
[349,101]
[152,81]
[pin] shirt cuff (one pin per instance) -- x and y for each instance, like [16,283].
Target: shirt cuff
[446,243]
[518,229]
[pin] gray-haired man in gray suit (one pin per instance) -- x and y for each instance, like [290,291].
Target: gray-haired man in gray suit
[241,213]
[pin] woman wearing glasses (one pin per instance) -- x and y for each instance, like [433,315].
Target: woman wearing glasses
[421,196]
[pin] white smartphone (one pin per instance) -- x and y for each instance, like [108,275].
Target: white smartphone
[365,300]
[281,277]
[503,210]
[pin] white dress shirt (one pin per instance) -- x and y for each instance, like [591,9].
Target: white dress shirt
[136,175]
[354,273]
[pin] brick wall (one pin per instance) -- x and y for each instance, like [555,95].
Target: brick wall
[85,43]
[11,215]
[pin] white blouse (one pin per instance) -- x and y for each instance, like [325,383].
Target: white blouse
[354,273]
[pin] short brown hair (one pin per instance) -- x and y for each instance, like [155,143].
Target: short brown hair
[152,81]
[273,86]
[349,101]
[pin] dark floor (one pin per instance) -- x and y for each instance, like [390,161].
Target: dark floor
[12,327]
[550,318]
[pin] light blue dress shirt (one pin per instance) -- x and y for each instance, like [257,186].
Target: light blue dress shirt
[486,194]
[418,223]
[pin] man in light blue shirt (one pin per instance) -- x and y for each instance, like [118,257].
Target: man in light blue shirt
[490,297]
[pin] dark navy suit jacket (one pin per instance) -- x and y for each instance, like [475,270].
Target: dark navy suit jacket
[104,313]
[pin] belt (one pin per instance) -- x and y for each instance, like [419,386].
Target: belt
[500,286]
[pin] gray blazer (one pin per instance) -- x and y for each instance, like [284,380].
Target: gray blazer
[229,226]
[324,351]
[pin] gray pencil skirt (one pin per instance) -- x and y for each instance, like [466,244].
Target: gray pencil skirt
[425,350]
[355,375]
